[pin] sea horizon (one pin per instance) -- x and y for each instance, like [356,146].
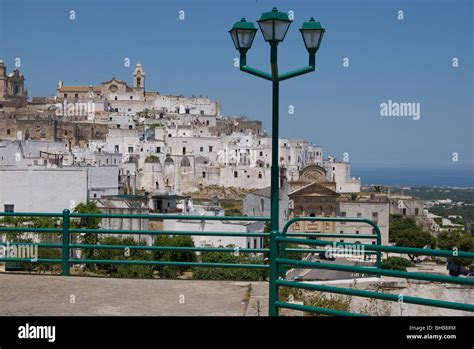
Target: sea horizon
[404,175]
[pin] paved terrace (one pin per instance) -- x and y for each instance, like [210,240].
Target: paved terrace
[45,295]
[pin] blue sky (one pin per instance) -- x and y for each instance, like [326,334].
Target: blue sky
[337,107]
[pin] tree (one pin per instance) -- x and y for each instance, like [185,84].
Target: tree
[124,270]
[406,233]
[378,188]
[172,272]
[396,263]
[457,240]
[87,223]
[247,274]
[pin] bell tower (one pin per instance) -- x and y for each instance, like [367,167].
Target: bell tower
[139,78]
[3,82]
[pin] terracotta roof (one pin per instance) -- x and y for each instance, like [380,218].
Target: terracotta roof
[79,88]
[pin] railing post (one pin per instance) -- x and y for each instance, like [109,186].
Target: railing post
[66,236]
[379,242]
[273,288]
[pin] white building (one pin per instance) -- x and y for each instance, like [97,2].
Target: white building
[42,190]
[340,172]
[219,226]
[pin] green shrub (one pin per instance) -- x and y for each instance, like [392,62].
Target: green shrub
[397,263]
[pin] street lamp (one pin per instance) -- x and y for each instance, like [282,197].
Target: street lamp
[242,34]
[274,25]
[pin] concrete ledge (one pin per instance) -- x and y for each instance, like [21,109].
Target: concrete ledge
[44,295]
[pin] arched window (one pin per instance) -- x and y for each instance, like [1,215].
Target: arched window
[15,90]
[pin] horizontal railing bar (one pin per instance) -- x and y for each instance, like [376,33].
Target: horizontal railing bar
[31,260]
[311,309]
[378,295]
[167,232]
[171,216]
[31,230]
[376,271]
[335,235]
[172,248]
[327,219]
[165,263]
[383,248]
[30,214]
[31,244]
[313,250]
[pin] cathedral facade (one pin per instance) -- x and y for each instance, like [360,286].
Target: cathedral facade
[12,89]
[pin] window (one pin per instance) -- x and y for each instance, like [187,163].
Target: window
[8,131]
[130,149]
[130,127]
[187,110]
[202,112]
[341,240]
[76,95]
[375,216]
[210,149]
[204,175]
[65,95]
[9,208]
[341,232]
[236,174]
[259,175]
[261,153]
[417,211]
[116,98]
[184,150]
[357,232]
[359,214]
[201,149]
[343,214]
[169,134]
[131,97]
[158,149]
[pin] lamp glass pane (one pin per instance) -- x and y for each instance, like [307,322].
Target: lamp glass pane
[245,37]
[311,38]
[233,35]
[267,30]
[281,28]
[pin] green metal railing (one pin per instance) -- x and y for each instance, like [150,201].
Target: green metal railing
[277,251]
[278,242]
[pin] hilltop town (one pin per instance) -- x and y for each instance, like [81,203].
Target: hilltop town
[132,150]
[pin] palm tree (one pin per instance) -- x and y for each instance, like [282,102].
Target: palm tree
[378,188]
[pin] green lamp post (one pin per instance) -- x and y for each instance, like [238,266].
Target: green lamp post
[274,26]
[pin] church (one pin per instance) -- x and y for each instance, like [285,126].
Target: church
[113,89]
[13,94]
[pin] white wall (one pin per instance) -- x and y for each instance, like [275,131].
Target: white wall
[42,190]
[218,226]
